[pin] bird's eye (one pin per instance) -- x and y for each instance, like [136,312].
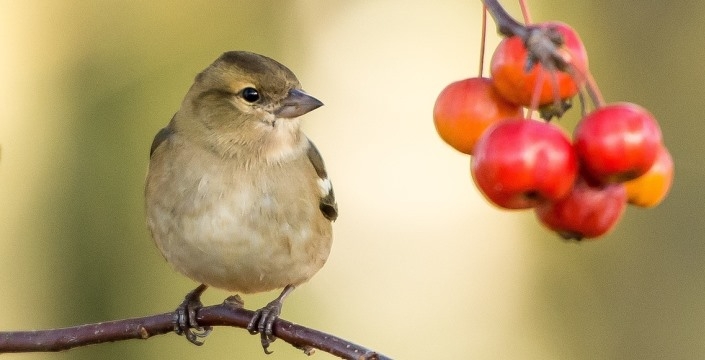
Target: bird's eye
[250,94]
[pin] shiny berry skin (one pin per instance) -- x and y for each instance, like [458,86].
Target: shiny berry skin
[617,142]
[464,109]
[520,163]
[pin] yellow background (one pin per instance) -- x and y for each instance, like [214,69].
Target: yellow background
[422,267]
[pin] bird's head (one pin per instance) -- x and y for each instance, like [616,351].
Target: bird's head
[247,103]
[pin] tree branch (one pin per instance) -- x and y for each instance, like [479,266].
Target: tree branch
[145,327]
[506,24]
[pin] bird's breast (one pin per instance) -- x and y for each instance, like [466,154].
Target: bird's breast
[245,230]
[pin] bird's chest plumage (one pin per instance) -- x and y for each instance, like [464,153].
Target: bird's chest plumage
[243,229]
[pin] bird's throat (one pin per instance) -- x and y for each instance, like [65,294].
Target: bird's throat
[283,141]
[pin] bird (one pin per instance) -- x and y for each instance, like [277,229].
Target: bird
[237,197]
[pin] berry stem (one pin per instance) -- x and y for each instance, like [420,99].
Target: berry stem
[536,93]
[525,11]
[483,39]
[593,90]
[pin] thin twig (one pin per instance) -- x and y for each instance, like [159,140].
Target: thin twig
[525,12]
[145,327]
[483,40]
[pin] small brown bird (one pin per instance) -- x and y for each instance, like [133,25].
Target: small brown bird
[237,196]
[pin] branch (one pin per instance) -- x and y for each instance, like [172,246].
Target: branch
[506,24]
[145,327]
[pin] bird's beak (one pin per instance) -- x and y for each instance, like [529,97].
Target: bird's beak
[297,104]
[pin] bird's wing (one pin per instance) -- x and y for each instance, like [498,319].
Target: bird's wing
[328,206]
[162,135]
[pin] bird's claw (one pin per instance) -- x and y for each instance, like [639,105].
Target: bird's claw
[185,318]
[263,323]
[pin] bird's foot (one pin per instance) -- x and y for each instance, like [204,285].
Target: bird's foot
[263,320]
[185,317]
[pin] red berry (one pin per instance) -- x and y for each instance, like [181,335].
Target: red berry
[618,142]
[587,212]
[520,163]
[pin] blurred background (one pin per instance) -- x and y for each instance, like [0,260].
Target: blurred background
[422,266]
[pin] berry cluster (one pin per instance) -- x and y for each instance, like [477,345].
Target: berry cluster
[578,187]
